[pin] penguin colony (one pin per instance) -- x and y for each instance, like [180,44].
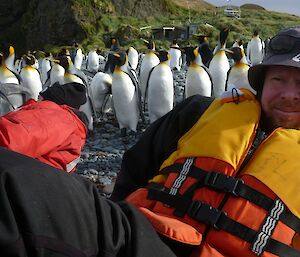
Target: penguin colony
[135,83]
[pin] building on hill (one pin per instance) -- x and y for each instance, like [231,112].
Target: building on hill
[169,32]
[174,32]
[232,11]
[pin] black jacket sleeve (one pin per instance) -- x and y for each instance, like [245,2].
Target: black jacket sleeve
[141,162]
[48,212]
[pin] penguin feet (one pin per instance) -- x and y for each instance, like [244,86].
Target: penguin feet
[123,132]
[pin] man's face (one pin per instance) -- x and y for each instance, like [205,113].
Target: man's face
[280,98]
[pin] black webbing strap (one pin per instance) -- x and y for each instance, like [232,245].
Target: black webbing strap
[228,184]
[161,193]
[217,219]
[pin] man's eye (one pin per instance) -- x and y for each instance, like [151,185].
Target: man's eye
[276,79]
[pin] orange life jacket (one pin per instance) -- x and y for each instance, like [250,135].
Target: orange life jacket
[202,197]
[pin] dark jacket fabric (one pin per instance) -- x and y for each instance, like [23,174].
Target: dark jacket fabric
[50,213]
[141,162]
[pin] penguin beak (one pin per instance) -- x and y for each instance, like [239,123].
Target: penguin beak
[11,50]
[55,60]
[228,51]
[196,51]
[145,41]
[117,55]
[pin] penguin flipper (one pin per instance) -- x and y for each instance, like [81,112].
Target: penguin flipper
[147,86]
[17,76]
[133,77]
[211,80]
[226,83]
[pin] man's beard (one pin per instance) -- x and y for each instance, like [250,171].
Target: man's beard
[274,122]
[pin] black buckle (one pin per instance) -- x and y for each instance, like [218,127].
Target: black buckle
[222,182]
[205,213]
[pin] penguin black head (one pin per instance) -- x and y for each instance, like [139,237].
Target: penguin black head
[201,38]
[120,58]
[47,54]
[191,53]
[63,60]
[64,51]
[241,42]
[162,55]
[29,59]
[235,53]
[115,46]
[150,44]
[6,49]
[98,51]
[1,58]
[223,36]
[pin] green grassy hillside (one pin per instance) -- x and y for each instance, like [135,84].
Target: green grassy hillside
[179,13]
[51,25]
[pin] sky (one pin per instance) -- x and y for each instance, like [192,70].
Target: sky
[287,6]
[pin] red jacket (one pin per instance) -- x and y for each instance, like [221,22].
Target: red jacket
[48,132]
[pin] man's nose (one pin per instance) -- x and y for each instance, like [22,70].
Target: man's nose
[291,91]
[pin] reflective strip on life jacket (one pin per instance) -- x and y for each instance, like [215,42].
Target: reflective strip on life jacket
[235,186]
[260,240]
[202,192]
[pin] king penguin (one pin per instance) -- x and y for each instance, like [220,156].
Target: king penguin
[175,56]
[101,91]
[31,78]
[125,95]
[10,60]
[78,58]
[255,49]
[237,75]
[133,57]
[149,61]
[57,73]
[240,44]
[198,79]
[7,75]
[219,65]
[160,89]
[93,62]
[71,74]
[45,67]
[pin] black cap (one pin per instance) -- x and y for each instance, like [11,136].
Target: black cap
[72,94]
[283,49]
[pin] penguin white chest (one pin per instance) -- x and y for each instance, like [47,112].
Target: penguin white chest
[197,81]
[218,69]
[6,76]
[31,80]
[149,61]
[125,100]
[160,91]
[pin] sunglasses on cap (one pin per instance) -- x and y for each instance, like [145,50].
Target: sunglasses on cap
[283,44]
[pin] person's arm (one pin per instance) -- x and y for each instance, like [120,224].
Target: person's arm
[141,162]
[47,212]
